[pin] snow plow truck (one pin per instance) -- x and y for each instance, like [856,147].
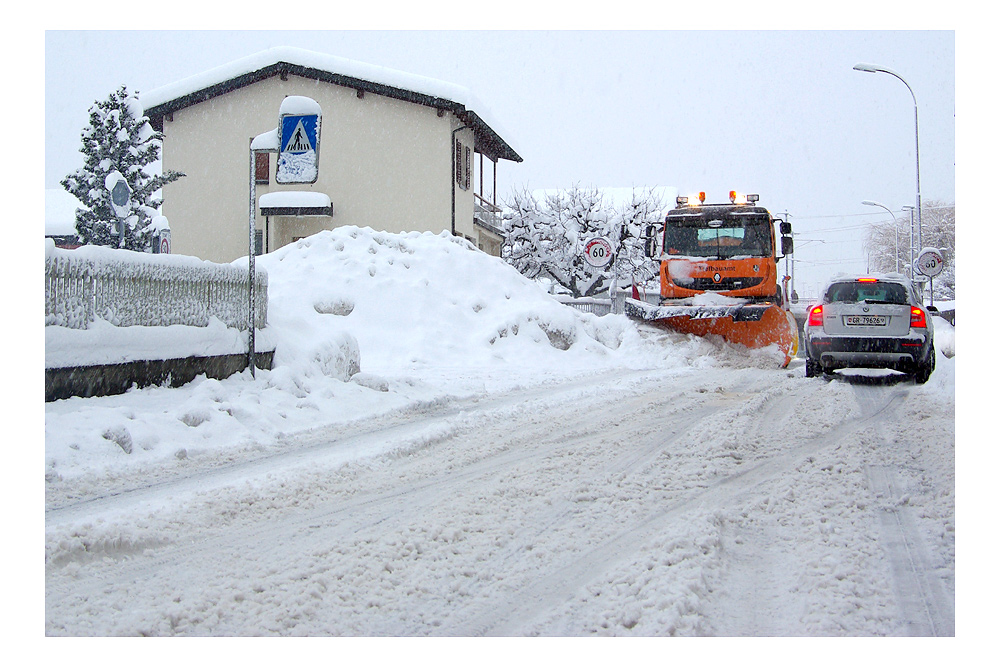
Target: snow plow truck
[719,274]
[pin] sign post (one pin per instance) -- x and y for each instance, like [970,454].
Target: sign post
[296,141]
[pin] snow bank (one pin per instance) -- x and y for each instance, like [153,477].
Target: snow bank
[363,323]
[419,299]
[60,212]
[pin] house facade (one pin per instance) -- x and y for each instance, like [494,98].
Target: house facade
[397,152]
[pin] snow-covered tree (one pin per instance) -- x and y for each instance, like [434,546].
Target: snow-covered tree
[938,220]
[118,138]
[547,238]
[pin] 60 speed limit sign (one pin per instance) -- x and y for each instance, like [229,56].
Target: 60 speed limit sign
[598,252]
[930,262]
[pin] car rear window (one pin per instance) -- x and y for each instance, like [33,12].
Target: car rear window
[854,292]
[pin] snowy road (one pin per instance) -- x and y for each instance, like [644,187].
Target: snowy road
[701,501]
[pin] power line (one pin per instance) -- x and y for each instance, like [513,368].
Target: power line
[855,215]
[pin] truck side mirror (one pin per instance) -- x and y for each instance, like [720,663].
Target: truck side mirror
[787,245]
[785,228]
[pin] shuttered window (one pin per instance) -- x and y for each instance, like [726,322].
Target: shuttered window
[468,167]
[262,167]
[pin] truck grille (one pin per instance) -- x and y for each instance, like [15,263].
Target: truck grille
[726,284]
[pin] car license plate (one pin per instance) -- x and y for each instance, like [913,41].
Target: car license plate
[865,320]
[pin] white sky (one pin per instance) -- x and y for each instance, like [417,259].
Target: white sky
[781,114]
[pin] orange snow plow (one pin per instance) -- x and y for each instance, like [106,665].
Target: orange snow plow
[718,275]
[750,325]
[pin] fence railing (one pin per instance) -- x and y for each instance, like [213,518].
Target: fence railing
[597,306]
[135,289]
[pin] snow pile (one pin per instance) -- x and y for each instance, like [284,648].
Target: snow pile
[419,299]
[60,212]
[363,323]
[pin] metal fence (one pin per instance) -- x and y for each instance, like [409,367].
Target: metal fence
[131,289]
[599,307]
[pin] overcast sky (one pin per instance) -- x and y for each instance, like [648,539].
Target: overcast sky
[781,114]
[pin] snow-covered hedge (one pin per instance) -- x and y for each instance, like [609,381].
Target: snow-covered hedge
[127,288]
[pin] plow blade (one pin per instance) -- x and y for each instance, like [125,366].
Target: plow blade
[751,325]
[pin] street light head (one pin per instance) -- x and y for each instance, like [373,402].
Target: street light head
[865,67]
[869,202]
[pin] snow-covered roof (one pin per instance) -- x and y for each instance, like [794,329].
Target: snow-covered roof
[341,71]
[60,212]
[296,202]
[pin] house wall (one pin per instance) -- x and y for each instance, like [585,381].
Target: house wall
[384,163]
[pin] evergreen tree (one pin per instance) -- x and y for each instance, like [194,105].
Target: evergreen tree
[119,138]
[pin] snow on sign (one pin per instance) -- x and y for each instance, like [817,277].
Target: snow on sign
[930,262]
[598,252]
[120,192]
[298,141]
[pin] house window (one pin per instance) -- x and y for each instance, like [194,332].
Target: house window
[262,167]
[258,240]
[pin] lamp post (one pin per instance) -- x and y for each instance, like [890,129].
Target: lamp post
[910,209]
[865,67]
[869,202]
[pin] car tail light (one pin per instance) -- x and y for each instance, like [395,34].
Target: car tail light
[816,316]
[917,318]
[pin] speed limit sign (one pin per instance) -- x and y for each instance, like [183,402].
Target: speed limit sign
[598,252]
[930,262]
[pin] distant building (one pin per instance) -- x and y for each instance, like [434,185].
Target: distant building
[397,152]
[60,218]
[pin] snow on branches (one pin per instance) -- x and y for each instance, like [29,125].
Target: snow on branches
[118,138]
[886,239]
[546,234]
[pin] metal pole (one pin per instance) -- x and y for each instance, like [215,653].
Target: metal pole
[862,67]
[791,273]
[251,352]
[868,202]
[910,209]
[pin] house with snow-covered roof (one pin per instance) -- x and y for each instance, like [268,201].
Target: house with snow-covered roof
[397,152]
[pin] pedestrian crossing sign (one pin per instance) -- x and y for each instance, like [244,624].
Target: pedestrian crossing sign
[298,154]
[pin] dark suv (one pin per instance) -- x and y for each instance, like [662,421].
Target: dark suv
[870,322]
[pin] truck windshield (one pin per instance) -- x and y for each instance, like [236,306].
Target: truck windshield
[718,238]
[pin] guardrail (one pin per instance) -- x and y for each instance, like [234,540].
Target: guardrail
[128,288]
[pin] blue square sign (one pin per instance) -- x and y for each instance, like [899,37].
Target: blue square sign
[298,155]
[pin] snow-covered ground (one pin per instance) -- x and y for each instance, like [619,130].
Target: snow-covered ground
[501,465]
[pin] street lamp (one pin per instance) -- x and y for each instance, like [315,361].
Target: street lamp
[865,67]
[869,202]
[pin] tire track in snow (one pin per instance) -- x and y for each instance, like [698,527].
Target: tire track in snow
[534,599]
[926,608]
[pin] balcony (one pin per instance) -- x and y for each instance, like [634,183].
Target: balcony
[487,215]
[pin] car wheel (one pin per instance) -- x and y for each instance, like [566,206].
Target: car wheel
[925,369]
[813,368]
